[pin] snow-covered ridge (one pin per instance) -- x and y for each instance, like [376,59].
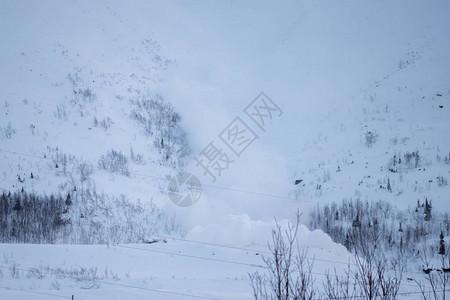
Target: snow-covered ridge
[100,100]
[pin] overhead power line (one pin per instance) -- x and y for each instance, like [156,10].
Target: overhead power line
[242,191]
[39,293]
[107,283]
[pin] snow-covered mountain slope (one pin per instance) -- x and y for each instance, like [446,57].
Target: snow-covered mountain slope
[402,113]
[72,94]
[119,97]
[58,85]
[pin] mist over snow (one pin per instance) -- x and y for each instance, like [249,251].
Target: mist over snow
[103,102]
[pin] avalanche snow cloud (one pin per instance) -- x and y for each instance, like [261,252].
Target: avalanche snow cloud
[106,101]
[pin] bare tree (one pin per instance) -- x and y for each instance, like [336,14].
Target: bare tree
[437,280]
[373,278]
[340,287]
[85,171]
[289,271]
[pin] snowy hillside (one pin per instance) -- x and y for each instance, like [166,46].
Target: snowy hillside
[102,103]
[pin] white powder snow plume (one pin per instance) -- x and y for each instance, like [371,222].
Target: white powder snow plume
[101,103]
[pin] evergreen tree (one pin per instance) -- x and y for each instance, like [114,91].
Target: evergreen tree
[389,188]
[68,200]
[356,222]
[427,210]
[336,216]
[347,242]
[417,158]
[17,205]
[375,225]
[442,244]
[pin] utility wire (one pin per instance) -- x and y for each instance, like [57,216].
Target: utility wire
[203,185]
[111,283]
[221,260]
[216,187]
[173,292]
[244,249]
[400,293]
[38,293]
[247,264]
[194,256]
[157,290]
[264,252]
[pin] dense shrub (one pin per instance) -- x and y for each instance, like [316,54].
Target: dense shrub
[160,122]
[115,162]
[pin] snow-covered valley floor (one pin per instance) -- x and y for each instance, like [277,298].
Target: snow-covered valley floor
[173,270]
[103,102]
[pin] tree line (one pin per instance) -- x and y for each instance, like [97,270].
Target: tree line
[403,231]
[80,217]
[27,217]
